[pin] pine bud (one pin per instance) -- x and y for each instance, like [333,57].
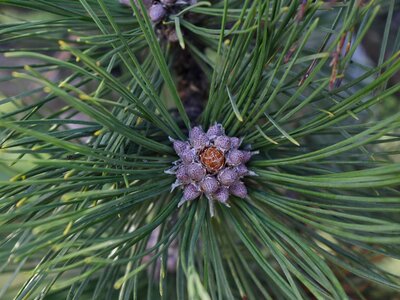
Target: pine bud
[235,157]
[227,176]
[235,142]
[182,175]
[190,193]
[209,185]
[157,12]
[195,133]
[242,170]
[188,156]
[238,189]
[215,130]
[210,164]
[222,195]
[223,142]
[200,142]
[248,154]
[196,171]
[179,146]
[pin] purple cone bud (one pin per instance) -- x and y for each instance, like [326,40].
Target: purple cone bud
[182,175]
[209,185]
[180,146]
[235,142]
[238,189]
[215,130]
[157,12]
[196,171]
[242,170]
[190,193]
[188,156]
[235,157]
[227,176]
[223,142]
[200,142]
[248,154]
[222,195]
[195,133]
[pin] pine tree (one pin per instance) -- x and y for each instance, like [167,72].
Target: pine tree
[95,92]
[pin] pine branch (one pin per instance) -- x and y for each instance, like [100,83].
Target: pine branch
[92,92]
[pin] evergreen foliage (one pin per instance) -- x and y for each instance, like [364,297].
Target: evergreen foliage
[98,90]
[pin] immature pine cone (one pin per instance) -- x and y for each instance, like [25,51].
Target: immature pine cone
[159,9]
[211,164]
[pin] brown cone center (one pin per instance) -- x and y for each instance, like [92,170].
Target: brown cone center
[213,159]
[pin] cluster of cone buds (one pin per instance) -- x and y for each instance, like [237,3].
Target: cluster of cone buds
[211,164]
[159,9]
